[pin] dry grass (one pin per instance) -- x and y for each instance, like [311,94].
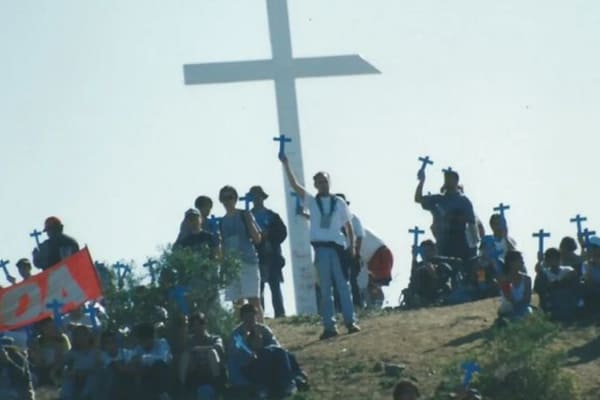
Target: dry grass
[424,340]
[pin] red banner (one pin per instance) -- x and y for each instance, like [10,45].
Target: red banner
[71,282]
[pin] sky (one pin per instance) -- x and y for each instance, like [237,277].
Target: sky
[98,128]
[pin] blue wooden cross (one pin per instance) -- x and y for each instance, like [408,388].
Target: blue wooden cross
[91,310]
[56,306]
[578,219]
[120,276]
[501,208]
[177,293]
[213,224]
[240,344]
[3,264]
[470,367]
[282,139]
[298,202]
[541,235]
[416,232]
[150,265]
[446,170]
[36,235]
[586,233]
[247,199]
[424,161]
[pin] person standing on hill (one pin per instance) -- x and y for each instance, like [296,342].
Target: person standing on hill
[328,216]
[454,223]
[57,247]
[270,259]
[240,233]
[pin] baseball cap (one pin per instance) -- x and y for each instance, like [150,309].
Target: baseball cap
[258,191]
[52,222]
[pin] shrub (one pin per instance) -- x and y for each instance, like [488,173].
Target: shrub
[517,362]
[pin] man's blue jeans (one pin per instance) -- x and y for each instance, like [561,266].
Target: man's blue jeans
[329,268]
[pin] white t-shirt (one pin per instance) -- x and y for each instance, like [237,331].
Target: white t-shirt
[370,244]
[320,231]
[160,352]
[559,275]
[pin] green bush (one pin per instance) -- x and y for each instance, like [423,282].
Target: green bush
[518,362]
[201,275]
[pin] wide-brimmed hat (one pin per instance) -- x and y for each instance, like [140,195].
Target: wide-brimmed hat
[258,191]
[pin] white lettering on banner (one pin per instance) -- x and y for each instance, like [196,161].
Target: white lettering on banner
[62,287]
[28,297]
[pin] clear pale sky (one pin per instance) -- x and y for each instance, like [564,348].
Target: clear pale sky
[97,127]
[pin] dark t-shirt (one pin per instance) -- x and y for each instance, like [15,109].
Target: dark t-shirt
[52,251]
[451,212]
[198,241]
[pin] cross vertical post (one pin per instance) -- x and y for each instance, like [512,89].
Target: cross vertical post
[416,232]
[36,235]
[586,233]
[247,199]
[424,162]
[284,69]
[56,306]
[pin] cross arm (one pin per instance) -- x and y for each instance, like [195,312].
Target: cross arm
[228,72]
[332,66]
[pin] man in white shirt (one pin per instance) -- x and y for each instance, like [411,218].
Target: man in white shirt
[328,216]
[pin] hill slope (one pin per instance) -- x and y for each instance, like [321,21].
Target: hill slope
[422,341]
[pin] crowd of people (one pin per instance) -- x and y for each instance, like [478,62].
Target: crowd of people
[89,361]
[460,264]
[464,264]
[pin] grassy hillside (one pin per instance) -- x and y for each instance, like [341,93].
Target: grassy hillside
[423,341]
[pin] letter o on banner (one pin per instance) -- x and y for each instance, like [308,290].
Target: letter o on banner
[26,297]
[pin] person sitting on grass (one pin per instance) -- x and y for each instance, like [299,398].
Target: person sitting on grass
[47,352]
[257,360]
[118,375]
[151,362]
[201,369]
[557,286]
[515,288]
[591,275]
[406,390]
[568,257]
[15,377]
[81,376]
[430,277]
[486,270]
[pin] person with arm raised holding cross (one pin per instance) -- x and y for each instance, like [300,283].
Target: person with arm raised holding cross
[454,223]
[328,216]
[57,247]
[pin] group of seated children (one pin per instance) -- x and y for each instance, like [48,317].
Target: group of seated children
[569,284]
[192,364]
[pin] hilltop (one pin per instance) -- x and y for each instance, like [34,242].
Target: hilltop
[420,341]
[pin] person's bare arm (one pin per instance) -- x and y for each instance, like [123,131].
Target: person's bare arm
[300,191]
[419,190]
[350,237]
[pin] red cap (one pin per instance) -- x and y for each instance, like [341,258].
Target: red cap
[52,222]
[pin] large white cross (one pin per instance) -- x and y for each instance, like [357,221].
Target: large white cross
[284,69]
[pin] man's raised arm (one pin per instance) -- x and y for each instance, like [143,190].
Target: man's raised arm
[300,191]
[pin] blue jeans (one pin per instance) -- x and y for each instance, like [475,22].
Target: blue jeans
[329,268]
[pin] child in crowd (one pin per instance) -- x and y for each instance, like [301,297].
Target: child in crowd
[47,352]
[257,360]
[150,362]
[557,285]
[201,369]
[118,374]
[591,275]
[81,376]
[15,377]
[567,249]
[515,288]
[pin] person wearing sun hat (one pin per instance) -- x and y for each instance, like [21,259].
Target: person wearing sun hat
[57,247]
[270,258]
